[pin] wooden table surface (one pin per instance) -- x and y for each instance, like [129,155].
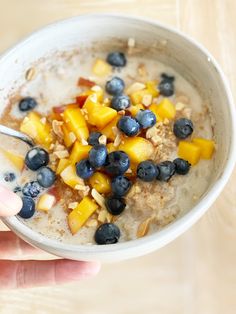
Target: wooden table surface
[197,272]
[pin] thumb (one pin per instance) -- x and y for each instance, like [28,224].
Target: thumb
[10,203]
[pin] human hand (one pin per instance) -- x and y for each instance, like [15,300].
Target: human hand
[15,272]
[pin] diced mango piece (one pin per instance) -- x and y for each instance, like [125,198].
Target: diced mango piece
[34,126]
[101,182]
[75,122]
[189,151]
[63,163]
[95,90]
[45,202]
[206,146]
[79,152]
[137,97]
[108,130]
[70,177]
[154,109]
[135,109]
[101,68]
[111,148]
[15,159]
[138,148]
[69,137]
[101,116]
[81,213]
[166,109]
[152,88]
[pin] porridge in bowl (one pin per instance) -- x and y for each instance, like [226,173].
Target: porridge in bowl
[123,147]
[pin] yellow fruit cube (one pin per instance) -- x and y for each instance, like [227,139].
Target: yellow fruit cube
[166,109]
[206,146]
[137,97]
[101,182]
[152,88]
[137,148]
[69,137]
[154,109]
[79,152]
[75,122]
[108,130]
[135,109]
[69,176]
[95,90]
[101,116]
[15,159]
[101,68]
[45,202]
[189,151]
[81,213]
[35,126]
[111,148]
[63,163]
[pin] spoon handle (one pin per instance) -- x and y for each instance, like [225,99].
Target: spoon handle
[16,134]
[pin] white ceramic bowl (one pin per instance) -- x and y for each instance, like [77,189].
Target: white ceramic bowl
[184,54]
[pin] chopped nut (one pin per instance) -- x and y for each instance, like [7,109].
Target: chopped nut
[102,215]
[142,71]
[52,146]
[147,100]
[106,101]
[143,228]
[56,126]
[166,121]
[84,142]
[187,113]
[102,139]
[135,87]
[151,132]
[129,170]
[92,223]
[131,42]
[61,154]
[96,88]
[179,106]
[156,139]
[98,198]
[30,74]
[137,189]
[73,205]
[121,112]
[117,140]
[115,130]
[59,147]
[72,137]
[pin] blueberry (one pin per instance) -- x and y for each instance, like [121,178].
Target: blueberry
[17,189]
[167,77]
[36,157]
[115,205]
[147,171]
[146,118]
[183,128]
[120,102]
[107,233]
[117,163]
[28,207]
[84,169]
[166,86]
[120,185]
[128,125]
[93,138]
[9,176]
[116,59]
[27,103]
[32,189]
[166,170]
[46,177]
[98,155]
[181,166]
[115,86]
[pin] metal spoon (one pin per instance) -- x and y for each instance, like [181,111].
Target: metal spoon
[16,134]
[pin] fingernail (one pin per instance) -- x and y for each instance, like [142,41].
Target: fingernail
[10,203]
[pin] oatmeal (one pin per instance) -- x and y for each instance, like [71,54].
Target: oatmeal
[123,147]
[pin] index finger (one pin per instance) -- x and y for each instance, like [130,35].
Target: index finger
[10,202]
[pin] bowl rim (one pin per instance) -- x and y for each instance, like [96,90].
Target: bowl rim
[177,227]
